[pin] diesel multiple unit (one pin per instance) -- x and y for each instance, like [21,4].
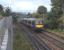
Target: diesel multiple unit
[34,23]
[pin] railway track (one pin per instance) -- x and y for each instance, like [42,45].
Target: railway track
[56,40]
[37,44]
[52,43]
[42,41]
[53,34]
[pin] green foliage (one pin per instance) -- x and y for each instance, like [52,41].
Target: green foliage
[56,3]
[15,19]
[7,12]
[36,15]
[52,23]
[29,15]
[21,41]
[1,8]
[55,14]
[50,15]
[57,8]
[42,10]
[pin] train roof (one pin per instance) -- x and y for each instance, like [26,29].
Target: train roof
[32,19]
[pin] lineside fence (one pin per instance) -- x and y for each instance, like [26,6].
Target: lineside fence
[6,33]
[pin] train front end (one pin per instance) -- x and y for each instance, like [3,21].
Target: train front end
[38,24]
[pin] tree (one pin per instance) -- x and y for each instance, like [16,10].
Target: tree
[29,15]
[7,11]
[36,15]
[42,10]
[55,14]
[57,8]
[14,17]
[1,8]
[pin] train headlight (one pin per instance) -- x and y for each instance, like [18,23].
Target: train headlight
[39,26]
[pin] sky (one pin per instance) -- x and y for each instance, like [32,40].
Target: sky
[26,5]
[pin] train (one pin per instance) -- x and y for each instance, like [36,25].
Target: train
[34,23]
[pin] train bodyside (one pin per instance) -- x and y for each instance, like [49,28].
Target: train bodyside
[34,23]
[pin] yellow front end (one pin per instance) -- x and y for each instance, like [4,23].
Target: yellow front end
[39,25]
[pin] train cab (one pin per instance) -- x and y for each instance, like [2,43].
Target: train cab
[39,24]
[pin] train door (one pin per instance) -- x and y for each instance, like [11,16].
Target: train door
[33,23]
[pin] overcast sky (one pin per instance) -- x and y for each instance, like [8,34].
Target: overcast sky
[25,5]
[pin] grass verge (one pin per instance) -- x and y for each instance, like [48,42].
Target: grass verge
[21,40]
[57,32]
